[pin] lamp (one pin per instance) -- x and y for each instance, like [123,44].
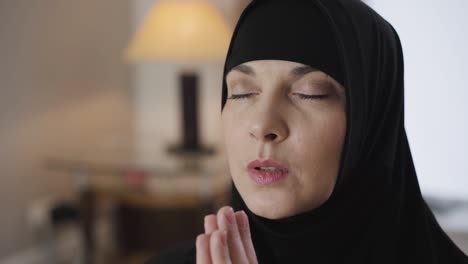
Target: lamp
[188,32]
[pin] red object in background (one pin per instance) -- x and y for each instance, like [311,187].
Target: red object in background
[135,176]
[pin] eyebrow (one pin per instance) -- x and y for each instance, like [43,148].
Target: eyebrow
[297,72]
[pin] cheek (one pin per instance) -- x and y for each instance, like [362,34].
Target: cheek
[330,133]
[328,128]
[320,143]
[233,136]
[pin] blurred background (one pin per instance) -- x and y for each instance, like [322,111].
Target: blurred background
[110,135]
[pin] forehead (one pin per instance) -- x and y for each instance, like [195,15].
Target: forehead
[259,67]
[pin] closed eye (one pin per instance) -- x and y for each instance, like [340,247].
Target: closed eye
[302,96]
[312,96]
[240,96]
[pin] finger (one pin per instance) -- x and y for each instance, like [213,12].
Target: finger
[211,223]
[227,221]
[218,247]
[244,230]
[203,249]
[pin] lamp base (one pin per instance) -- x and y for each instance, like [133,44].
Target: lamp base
[181,150]
[190,157]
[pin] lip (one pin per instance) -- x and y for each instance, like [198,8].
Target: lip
[267,177]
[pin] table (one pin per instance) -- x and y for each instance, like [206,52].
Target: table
[175,184]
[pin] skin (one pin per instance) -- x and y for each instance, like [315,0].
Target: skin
[276,121]
[226,239]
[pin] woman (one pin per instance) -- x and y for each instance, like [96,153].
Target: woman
[314,88]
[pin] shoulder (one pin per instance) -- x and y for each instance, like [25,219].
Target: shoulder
[182,253]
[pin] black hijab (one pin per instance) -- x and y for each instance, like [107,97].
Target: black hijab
[376,213]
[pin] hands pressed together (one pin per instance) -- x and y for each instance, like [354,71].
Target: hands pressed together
[226,239]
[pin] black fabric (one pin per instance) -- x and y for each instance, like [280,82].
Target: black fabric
[182,253]
[376,213]
[270,32]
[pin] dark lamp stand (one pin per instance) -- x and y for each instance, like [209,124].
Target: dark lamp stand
[190,144]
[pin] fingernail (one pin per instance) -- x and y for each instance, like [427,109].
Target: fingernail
[229,217]
[243,223]
[198,242]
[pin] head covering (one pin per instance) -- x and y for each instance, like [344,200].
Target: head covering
[376,213]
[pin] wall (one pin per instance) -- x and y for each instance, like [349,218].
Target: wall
[63,88]
[434,39]
[157,100]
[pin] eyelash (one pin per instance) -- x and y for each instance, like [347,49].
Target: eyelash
[302,96]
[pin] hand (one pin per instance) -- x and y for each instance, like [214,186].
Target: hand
[226,239]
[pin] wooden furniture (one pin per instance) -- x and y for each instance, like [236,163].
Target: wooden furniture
[156,205]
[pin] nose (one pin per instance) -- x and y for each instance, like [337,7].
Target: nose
[267,124]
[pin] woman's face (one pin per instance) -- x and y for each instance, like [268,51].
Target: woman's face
[273,120]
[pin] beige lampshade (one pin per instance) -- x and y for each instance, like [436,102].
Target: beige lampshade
[180,30]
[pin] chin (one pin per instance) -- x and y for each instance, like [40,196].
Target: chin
[270,208]
[278,205]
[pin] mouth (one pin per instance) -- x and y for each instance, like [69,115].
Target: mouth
[267,172]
